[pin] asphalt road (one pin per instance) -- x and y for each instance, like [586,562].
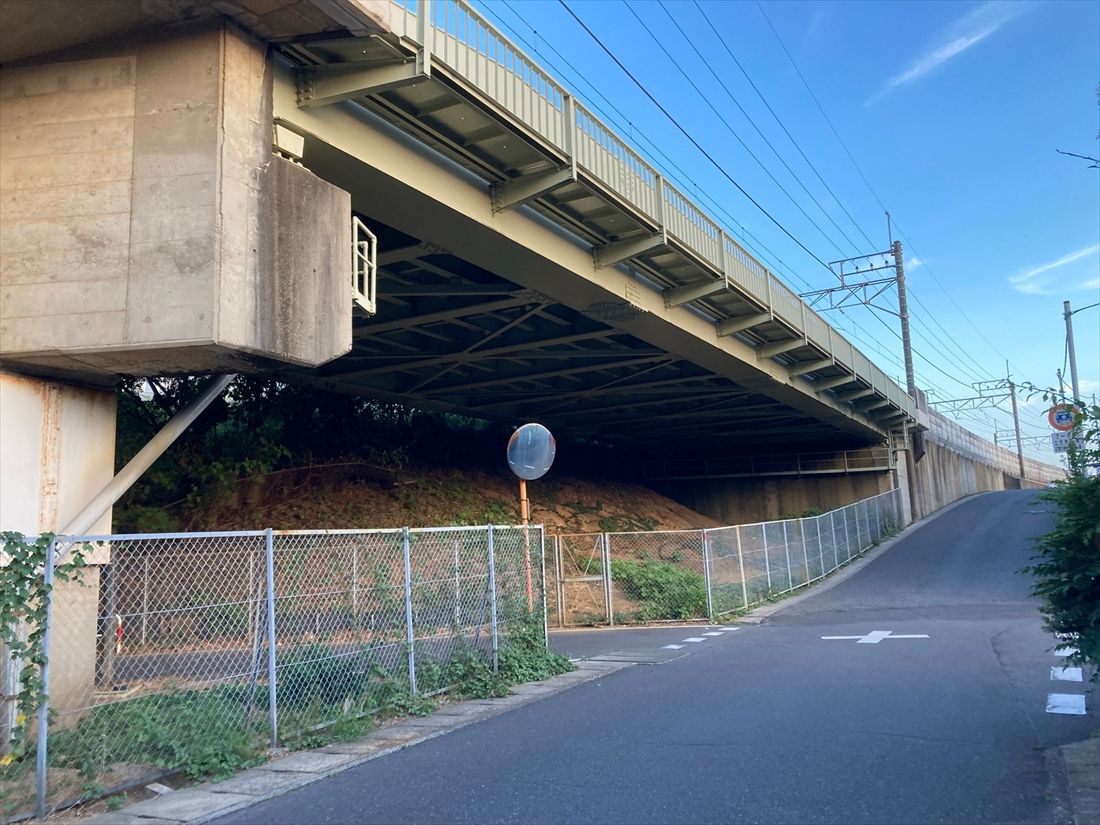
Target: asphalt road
[772,723]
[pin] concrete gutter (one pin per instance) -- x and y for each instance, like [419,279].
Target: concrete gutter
[211,800]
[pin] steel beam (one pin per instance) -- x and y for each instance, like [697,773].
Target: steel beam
[324,85]
[810,366]
[511,193]
[778,348]
[680,295]
[852,395]
[731,325]
[619,251]
[833,383]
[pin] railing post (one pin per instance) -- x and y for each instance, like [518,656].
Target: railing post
[424,34]
[44,691]
[706,575]
[272,686]
[741,564]
[409,632]
[492,599]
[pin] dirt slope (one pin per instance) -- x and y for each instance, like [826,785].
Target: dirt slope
[359,495]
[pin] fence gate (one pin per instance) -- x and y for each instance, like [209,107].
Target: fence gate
[581,582]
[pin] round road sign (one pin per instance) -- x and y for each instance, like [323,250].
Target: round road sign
[1062,416]
[531,451]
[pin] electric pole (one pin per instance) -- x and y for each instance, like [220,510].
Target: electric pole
[1016,422]
[1068,313]
[903,313]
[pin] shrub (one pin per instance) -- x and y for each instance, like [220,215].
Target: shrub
[664,590]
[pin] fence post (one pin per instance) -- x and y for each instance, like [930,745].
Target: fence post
[272,686]
[355,583]
[706,575]
[409,642]
[805,551]
[545,614]
[457,595]
[820,544]
[492,600]
[741,564]
[859,538]
[767,564]
[787,554]
[44,691]
[605,539]
[145,597]
[559,588]
[847,539]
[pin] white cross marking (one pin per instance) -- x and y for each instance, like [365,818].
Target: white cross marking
[673,647]
[714,633]
[1066,674]
[1067,703]
[876,636]
[694,639]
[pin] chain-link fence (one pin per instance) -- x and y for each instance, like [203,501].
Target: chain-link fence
[190,652]
[674,575]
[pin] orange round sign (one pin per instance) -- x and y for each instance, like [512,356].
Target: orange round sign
[1062,416]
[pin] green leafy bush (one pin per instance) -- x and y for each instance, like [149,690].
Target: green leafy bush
[664,590]
[1067,566]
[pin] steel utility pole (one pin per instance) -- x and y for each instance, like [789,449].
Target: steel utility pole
[903,312]
[859,287]
[1016,422]
[1068,314]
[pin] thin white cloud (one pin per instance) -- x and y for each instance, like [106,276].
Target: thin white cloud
[969,30]
[913,263]
[1094,283]
[1068,258]
[1033,288]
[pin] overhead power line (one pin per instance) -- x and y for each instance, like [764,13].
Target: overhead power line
[688,135]
[870,188]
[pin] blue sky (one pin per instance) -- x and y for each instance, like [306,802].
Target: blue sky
[951,112]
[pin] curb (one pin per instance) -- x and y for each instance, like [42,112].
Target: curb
[1081,761]
[210,800]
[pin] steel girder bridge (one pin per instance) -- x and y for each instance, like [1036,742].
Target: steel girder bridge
[533,266]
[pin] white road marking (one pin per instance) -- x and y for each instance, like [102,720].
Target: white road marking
[1066,674]
[673,647]
[729,627]
[714,633]
[876,636]
[1065,651]
[1067,703]
[694,639]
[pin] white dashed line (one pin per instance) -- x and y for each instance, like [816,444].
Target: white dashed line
[714,633]
[1065,651]
[1066,674]
[694,639]
[1066,703]
[672,647]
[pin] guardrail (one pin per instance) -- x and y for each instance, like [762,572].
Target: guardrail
[470,47]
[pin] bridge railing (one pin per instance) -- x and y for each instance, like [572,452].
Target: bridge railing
[470,47]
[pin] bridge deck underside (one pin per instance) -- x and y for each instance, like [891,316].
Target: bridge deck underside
[452,336]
